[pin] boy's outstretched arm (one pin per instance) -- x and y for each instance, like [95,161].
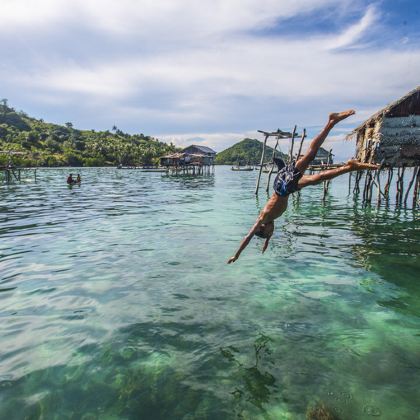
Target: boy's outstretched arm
[246,240]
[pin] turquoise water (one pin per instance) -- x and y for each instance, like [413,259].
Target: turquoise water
[116,302]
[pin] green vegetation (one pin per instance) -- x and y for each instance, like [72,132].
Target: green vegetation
[246,152]
[46,144]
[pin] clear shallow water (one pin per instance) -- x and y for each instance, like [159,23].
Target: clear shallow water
[116,302]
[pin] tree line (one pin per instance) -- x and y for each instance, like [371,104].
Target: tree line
[45,144]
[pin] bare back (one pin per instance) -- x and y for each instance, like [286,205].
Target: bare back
[274,208]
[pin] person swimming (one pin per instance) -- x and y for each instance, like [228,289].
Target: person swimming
[70,180]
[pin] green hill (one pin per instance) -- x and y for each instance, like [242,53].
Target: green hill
[46,144]
[247,151]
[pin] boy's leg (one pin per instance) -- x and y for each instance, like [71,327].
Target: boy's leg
[351,165]
[303,163]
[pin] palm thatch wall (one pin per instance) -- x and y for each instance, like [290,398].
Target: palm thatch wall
[392,135]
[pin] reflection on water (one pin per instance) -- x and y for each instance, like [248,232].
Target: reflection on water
[117,302]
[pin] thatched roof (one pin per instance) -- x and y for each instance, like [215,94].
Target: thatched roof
[384,111]
[203,149]
[180,155]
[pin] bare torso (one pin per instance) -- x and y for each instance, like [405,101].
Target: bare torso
[274,208]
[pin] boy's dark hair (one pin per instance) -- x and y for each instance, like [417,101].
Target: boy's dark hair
[261,233]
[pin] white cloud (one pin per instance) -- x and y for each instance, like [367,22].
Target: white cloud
[352,34]
[195,67]
[180,17]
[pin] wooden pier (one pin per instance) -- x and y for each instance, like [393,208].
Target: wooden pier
[11,172]
[190,170]
[14,174]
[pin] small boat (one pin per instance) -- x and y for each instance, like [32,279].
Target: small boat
[242,168]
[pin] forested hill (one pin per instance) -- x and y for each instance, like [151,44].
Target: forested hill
[247,151]
[46,144]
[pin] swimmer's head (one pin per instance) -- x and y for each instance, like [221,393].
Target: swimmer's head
[265,231]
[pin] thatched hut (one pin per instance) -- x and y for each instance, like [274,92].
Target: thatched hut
[392,135]
[181,159]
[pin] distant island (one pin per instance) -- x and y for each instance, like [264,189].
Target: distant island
[39,143]
[246,152]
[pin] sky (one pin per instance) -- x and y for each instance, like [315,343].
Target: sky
[208,72]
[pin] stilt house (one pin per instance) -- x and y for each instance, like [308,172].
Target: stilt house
[392,135]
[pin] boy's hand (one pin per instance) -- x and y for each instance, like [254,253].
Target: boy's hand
[232,259]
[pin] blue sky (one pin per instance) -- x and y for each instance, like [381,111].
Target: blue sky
[207,71]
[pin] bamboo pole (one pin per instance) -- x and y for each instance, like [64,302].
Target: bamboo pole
[272,162]
[349,183]
[365,187]
[388,182]
[416,188]
[261,163]
[292,144]
[378,179]
[368,187]
[402,184]
[397,195]
[356,189]
[415,169]
[301,142]
[327,183]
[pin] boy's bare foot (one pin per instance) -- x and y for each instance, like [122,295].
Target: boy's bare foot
[336,117]
[356,165]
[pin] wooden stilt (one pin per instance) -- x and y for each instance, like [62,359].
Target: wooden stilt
[327,183]
[261,163]
[301,142]
[356,189]
[292,143]
[388,182]
[415,169]
[378,180]
[397,195]
[367,193]
[272,162]
[349,183]
[365,187]
[416,188]
[402,185]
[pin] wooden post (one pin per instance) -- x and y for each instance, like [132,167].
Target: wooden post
[301,142]
[415,169]
[365,188]
[327,183]
[402,184]
[416,188]
[378,185]
[349,183]
[261,164]
[388,182]
[292,144]
[370,187]
[272,162]
[397,196]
